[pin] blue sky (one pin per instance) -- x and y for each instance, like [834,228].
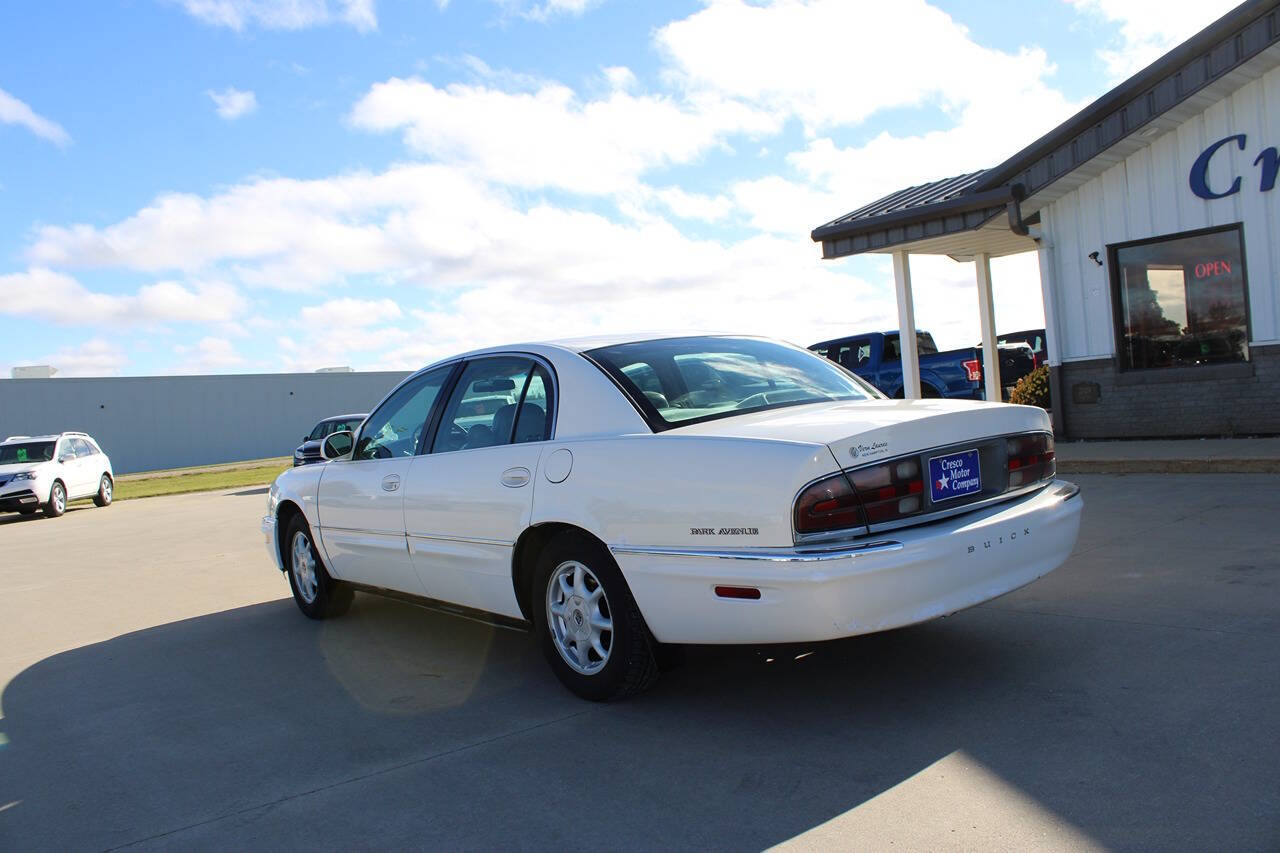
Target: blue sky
[266,185]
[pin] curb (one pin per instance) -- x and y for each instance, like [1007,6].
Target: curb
[1169,466]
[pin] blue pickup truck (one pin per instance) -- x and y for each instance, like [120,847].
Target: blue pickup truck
[877,358]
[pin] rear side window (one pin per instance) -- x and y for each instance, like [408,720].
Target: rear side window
[83,448]
[533,423]
[497,401]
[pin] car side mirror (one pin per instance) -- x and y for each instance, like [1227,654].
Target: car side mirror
[337,445]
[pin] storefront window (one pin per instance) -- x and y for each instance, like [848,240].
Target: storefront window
[1181,300]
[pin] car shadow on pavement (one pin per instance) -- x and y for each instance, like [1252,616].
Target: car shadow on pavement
[396,727]
[19,518]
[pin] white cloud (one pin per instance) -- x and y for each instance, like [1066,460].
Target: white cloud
[1149,28]
[48,295]
[282,14]
[350,313]
[688,205]
[837,62]
[551,137]
[208,355]
[95,357]
[476,259]
[231,103]
[14,111]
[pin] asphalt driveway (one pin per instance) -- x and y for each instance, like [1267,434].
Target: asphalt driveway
[160,690]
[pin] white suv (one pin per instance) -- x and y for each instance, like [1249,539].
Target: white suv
[46,471]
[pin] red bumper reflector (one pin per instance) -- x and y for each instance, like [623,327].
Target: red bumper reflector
[748,592]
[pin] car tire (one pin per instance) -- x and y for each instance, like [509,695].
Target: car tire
[317,594]
[578,589]
[106,491]
[57,503]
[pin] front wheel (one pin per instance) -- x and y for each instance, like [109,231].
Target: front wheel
[317,595]
[57,503]
[105,490]
[591,630]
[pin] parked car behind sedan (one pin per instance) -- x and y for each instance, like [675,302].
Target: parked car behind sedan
[45,472]
[626,493]
[308,452]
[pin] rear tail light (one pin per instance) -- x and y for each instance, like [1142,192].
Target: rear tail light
[1031,459]
[828,504]
[890,491]
[867,496]
[973,369]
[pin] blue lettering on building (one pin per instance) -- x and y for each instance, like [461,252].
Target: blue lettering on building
[1268,161]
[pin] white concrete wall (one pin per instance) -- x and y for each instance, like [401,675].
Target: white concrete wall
[1148,195]
[150,422]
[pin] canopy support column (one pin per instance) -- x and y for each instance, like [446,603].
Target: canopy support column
[987,318]
[907,327]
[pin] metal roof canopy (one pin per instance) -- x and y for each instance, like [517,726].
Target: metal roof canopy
[985,212]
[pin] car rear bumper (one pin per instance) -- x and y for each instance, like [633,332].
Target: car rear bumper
[910,576]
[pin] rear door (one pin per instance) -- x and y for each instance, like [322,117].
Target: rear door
[468,499]
[89,466]
[361,499]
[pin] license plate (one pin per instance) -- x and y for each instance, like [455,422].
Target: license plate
[954,476]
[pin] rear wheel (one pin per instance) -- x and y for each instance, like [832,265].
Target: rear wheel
[591,631]
[105,490]
[317,594]
[57,503]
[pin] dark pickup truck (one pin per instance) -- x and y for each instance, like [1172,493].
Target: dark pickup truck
[877,358]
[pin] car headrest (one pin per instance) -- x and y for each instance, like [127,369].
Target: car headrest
[503,419]
[533,424]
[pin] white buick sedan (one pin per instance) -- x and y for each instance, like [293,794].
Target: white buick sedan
[616,495]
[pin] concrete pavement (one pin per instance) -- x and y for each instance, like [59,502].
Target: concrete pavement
[160,691]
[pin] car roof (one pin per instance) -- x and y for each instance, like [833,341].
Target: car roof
[52,437]
[345,417]
[589,342]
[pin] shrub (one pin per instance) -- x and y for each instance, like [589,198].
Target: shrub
[1032,389]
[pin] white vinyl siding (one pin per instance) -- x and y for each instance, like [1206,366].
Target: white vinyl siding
[1148,195]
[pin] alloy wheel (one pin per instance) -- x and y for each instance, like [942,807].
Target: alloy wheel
[303,566]
[579,617]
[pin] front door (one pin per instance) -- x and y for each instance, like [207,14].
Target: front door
[467,501]
[361,499]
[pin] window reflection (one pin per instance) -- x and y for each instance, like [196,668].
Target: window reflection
[1182,301]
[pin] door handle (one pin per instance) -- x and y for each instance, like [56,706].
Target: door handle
[391,482]
[514,478]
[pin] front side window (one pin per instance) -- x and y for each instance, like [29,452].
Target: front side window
[1181,301]
[484,405]
[681,380]
[33,451]
[396,429]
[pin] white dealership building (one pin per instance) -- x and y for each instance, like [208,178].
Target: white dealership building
[1155,215]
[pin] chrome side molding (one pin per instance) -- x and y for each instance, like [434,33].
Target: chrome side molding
[768,555]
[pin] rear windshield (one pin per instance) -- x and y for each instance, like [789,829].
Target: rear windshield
[677,381]
[33,451]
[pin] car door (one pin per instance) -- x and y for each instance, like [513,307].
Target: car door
[73,468]
[360,499]
[88,466]
[469,498]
